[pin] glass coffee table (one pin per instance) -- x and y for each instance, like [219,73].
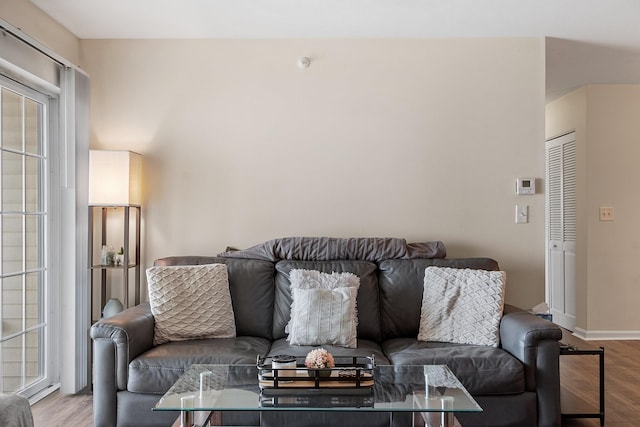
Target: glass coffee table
[429,394]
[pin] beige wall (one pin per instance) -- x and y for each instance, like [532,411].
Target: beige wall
[606,121]
[32,21]
[420,139]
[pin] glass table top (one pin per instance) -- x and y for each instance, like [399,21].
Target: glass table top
[410,388]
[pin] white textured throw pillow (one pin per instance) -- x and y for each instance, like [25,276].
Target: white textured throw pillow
[462,306]
[190,302]
[323,311]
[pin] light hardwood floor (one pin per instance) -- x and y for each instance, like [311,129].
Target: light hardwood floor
[622,382]
[579,374]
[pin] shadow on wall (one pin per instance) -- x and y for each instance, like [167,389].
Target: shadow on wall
[571,64]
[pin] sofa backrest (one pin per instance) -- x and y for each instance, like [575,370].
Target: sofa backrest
[389,298]
[401,287]
[251,284]
[368,301]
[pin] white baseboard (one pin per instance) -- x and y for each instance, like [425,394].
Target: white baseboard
[606,335]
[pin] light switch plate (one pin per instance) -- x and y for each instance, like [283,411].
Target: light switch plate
[522,214]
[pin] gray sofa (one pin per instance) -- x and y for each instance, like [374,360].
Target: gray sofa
[517,384]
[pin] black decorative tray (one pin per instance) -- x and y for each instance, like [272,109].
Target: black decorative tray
[351,375]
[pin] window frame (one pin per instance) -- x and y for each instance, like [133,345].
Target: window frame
[48,373]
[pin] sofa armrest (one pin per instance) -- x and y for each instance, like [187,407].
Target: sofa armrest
[534,341]
[127,334]
[116,341]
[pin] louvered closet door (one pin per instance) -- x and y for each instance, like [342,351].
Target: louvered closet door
[561,229]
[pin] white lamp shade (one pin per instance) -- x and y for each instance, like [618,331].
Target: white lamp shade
[115,178]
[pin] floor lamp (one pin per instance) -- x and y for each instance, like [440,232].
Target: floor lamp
[115,184]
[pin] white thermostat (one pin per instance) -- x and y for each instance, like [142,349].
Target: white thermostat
[525,186]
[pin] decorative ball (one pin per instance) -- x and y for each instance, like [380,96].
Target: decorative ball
[319,359]
[112,307]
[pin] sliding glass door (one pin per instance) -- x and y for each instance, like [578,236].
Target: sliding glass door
[24,324]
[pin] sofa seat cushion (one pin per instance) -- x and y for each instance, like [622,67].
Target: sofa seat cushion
[365,348]
[156,370]
[483,370]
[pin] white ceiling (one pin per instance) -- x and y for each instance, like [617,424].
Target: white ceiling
[591,41]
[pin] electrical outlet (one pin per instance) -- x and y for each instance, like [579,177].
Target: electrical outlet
[606,213]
